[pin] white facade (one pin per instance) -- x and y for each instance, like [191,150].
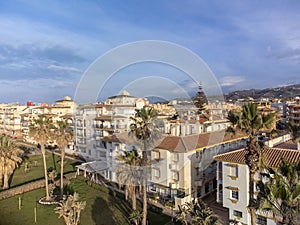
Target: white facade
[233,181]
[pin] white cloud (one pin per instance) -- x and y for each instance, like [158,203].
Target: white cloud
[231,80]
[68,68]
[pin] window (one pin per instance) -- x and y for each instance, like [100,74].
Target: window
[156,155]
[234,171]
[206,188]
[235,195]
[261,220]
[237,213]
[175,157]
[175,176]
[156,172]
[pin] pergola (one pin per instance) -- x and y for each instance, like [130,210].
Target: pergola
[92,169]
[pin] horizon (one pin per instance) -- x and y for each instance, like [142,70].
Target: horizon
[46,50]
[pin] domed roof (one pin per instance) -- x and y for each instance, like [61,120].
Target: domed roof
[124,92]
[67,98]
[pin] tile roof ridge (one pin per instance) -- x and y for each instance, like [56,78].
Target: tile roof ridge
[184,145]
[231,152]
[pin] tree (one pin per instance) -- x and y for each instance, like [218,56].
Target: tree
[279,192]
[10,157]
[144,130]
[136,217]
[63,135]
[295,131]
[70,209]
[197,213]
[250,121]
[200,101]
[41,131]
[128,174]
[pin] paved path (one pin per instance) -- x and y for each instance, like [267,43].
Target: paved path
[222,212]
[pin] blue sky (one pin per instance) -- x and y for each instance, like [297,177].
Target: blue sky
[46,46]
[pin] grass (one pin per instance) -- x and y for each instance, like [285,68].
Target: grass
[102,208]
[37,170]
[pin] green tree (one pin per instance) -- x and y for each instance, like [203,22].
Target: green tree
[63,135]
[143,129]
[197,213]
[200,101]
[279,192]
[250,121]
[70,209]
[128,174]
[10,157]
[41,130]
[136,217]
[295,131]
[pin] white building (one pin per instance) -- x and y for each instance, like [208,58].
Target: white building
[233,179]
[95,121]
[183,167]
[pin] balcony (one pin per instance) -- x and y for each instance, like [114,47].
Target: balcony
[174,167]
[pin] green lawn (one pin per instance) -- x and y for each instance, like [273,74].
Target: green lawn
[36,168]
[103,208]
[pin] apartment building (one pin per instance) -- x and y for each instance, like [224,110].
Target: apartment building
[183,167]
[10,119]
[233,178]
[61,110]
[293,111]
[95,121]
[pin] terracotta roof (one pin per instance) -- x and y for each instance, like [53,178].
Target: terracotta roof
[120,138]
[272,156]
[287,145]
[199,141]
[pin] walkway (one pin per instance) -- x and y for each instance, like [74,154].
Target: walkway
[222,212]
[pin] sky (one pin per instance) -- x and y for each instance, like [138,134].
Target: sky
[46,47]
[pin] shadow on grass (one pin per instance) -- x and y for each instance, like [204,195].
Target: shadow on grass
[102,213]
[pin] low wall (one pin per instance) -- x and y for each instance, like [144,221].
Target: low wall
[22,189]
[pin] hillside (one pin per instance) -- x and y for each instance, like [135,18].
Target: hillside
[284,92]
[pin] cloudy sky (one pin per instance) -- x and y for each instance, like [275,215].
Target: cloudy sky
[47,46]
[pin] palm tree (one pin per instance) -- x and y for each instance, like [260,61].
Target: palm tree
[251,122]
[136,217]
[182,215]
[143,129]
[295,131]
[10,157]
[63,135]
[279,193]
[41,131]
[70,209]
[198,213]
[129,173]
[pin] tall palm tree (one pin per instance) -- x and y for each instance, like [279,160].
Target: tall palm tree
[10,157]
[128,174]
[280,194]
[250,121]
[198,213]
[63,135]
[144,130]
[41,131]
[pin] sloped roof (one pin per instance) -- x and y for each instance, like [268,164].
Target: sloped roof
[93,166]
[199,141]
[287,145]
[273,156]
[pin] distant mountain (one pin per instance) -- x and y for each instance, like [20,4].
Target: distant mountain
[283,92]
[155,99]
